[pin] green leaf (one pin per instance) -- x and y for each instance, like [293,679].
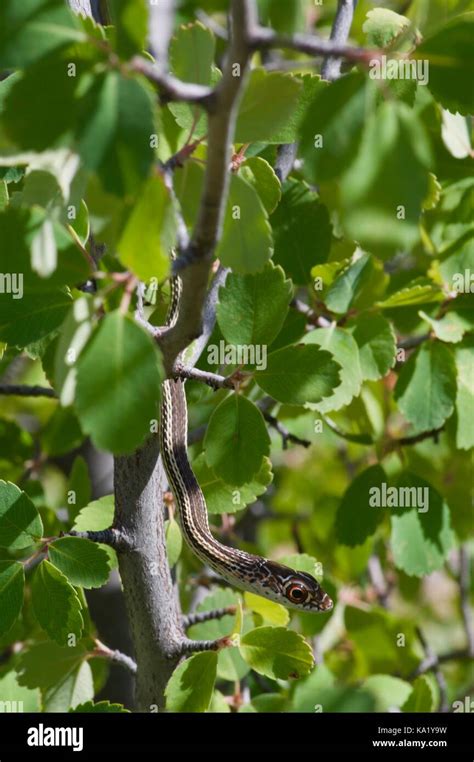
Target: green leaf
[375,636]
[75,332]
[375,337]
[74,689]
[389,692]
[422,697]
[464,357]
[20,522]
[3,195]
[32,28]
[52,103]
[192,683]
[79,487]
[118,382]
[96,516]
[129,32]
[192,52]
[23,321]
[270,611]
[83,562]
[330,696]
[345,352]
[383,26]
[18,696]
[426,389]
[356,519]
[261,175]
[45,663]
[450,328]
[230,665]
[224,498]
[451,63]
[174,541]
[277,653]
[347,284]
[299,375]
[62,433]
[149,234]
[246,243]
[267,105]
[12,581]
[302,231]
[418,294]
[236,440]
[56,604]
[333,125]
[115,130]
[311,85]
[252,308]
[421,536]
[383,190]
[44,254]
[100,707]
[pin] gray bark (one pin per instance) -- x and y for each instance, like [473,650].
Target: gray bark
[153,610]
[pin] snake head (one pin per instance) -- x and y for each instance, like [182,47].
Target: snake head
[298,590]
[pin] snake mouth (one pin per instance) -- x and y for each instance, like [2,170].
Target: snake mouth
[327,604]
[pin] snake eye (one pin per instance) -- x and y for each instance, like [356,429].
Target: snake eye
[297,594]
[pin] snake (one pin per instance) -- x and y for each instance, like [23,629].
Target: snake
[245,571]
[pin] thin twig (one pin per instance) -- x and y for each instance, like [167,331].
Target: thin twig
[212,24]
[285,160]
[213,380]
[432,661]
[117,657]
[112,537]
[23,390]
[264,39]
[415,438]
[413,341]
[188,646]
[341,27]
[171,88]
[286,435]
[437,673]
[377,579]
[207,616]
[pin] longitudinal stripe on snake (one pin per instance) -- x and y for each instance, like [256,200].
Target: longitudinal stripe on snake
[293,589]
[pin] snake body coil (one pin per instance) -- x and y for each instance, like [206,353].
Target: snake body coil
[243,570]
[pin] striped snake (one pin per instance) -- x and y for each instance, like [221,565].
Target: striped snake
[293,589]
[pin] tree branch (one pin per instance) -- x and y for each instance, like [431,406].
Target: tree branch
[139,480]
[213,380]
[286,436]
[207,231]
[23,390]
[265,39]
[341,27]
[207,616]
[160,28]
[171,88]
[117,657]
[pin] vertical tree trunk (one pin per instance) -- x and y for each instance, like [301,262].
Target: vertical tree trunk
[153,610]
